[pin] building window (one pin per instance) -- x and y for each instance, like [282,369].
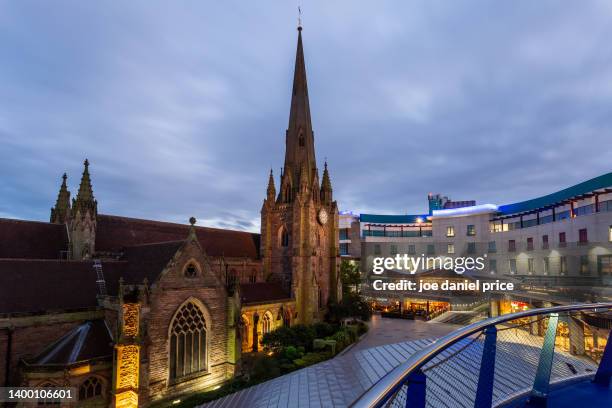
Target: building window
[266,323]
[512,266]
[253,277]
[530,267]
[191,271]
[471,230]
[492,246]
[511,245]
[604,265]
[450,248]
[610,233]
[411,249]
[582,236]
[546,265]
[188,346]
[544,241]
[562,242]
[584,265]
[450,231]
[344,233]
[91,388]
[492,265]
[344,249]
[377,249]
[231,277]
[431,249]
[393,249]
[284,238]
[530,244]
[563,265]
[471,248]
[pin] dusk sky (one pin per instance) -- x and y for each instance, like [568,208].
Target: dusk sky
[181,107]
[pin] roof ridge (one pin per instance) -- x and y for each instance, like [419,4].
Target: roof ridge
[176,241]
[29,221]
[174,224]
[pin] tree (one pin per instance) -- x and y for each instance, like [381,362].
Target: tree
[351,276]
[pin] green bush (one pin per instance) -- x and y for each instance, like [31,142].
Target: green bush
[297,336]
[311,358]
[265,368]
[352,305]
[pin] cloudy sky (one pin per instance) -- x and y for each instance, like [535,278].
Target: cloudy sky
[181,107]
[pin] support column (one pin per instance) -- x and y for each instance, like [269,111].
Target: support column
[486,377]
[494,308]
[415,395]
[127,364]
[576,336]
[541,385]
[604,372]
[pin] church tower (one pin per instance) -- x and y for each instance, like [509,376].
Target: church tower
[83,221]
[299,226]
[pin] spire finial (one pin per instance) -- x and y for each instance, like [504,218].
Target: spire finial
[299,18]
[64,177]
[192,220]
[86,163]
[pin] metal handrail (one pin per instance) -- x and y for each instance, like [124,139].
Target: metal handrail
[387,386]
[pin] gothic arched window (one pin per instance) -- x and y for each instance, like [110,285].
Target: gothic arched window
[188,342]
[266,323]
[284,238]
[91,388]
[253,277]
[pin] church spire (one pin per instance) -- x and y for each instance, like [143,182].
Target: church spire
[300,139]
[271,189]
[61,212]
[85,199]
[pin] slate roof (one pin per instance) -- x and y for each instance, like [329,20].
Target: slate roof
[452,384]
[32,239]
[262,292]
[88,341]
[38,286]
[115,233]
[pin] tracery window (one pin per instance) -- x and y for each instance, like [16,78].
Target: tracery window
[188,348]
[91,388]
[266,323]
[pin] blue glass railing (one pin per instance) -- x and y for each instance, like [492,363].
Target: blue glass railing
[465,365]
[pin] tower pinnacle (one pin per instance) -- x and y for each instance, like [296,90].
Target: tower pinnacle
[61,212]
[85,199]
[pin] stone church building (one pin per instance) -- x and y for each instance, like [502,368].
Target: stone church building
[131,311]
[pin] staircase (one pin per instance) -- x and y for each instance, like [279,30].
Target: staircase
[458,318]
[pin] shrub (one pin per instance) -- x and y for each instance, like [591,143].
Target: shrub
[265,368]
[297,336]
[324,329]
[311,358]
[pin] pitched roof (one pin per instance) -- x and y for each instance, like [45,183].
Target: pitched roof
[262,292]
[147,260]
[32,239]
[88,341]
[35,286]
[115,233]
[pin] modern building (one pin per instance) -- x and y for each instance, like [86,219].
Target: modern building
[132,311]
[557,247]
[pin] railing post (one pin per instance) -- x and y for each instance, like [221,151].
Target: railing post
[484,392]
[604,371]
[539,393]
[415,393]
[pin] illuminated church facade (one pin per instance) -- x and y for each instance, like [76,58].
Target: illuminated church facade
[132,311]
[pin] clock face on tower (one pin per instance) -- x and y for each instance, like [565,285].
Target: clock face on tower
[322,216]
